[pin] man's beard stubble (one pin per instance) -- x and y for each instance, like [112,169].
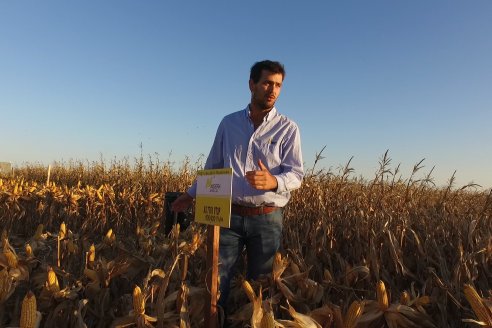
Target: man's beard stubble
[262,103]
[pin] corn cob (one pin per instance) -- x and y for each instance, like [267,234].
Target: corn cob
[483,314]
[63,230]
[139,231]
[405,298]
[110,237]
[354,312]
[28,311]
[29,253]
[92,253]
[138,301]
[194,244]
[98,193]
[249,290]
[53,284]
[422,300]
[11,258]
[382,296]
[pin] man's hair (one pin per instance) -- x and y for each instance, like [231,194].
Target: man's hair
[268,65]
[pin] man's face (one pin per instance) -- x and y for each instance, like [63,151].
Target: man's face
[266,91]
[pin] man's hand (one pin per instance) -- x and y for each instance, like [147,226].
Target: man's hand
[182,203]
[262,179]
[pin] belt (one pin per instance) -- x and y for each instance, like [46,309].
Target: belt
[252,211]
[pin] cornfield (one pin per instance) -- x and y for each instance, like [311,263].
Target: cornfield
[87,248]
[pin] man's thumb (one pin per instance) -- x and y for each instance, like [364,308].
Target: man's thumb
[262,166]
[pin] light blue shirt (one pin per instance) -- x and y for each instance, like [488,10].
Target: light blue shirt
[239,146]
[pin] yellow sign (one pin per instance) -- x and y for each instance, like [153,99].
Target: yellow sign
[213,197]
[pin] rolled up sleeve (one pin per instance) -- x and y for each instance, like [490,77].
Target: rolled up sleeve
[292,164]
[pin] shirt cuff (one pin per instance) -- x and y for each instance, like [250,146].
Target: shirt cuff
[280,185]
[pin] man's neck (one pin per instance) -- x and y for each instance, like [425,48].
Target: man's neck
[257,115]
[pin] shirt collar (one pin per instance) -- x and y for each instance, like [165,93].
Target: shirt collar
[268,117]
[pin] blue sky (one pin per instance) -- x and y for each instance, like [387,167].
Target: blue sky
[81,79]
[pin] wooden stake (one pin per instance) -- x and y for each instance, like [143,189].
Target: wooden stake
[59,253]
[48,178]
[211,313]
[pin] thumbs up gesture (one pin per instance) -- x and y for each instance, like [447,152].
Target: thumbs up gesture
[261,179]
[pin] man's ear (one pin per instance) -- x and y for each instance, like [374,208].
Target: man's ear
[251,85]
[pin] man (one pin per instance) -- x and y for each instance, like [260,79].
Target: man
[263,149]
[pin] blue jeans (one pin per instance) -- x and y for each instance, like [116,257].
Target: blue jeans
[261,234]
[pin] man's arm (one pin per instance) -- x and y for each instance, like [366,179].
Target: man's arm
[292,168]
[182,203]
[262,179]
[292,165]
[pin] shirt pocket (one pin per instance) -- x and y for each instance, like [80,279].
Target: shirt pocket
[270,149]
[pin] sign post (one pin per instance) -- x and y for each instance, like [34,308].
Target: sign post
[211,314]
[213,207]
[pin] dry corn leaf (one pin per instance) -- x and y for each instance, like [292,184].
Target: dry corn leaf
[303,321]
[323,315]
